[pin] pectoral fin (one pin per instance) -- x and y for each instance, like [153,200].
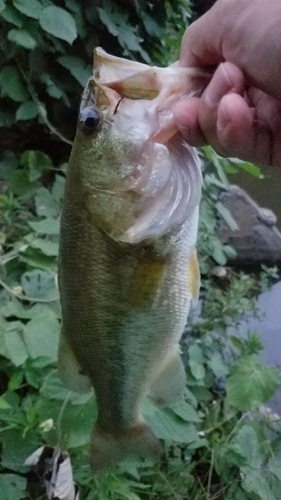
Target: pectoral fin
[70,370]
[170,382]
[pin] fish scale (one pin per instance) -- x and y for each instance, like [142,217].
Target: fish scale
[127,265]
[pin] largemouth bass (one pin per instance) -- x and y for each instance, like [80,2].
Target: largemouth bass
[128,268]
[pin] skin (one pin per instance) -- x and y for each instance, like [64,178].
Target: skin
[239,112]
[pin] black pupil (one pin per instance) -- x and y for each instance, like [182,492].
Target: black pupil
[89,121]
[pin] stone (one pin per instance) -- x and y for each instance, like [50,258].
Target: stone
[257,240]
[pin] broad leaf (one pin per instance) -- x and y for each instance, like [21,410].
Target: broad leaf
[46,204]
[22,38]
[11,15]
[37,163]
[12,84]
[20,184]
[251,384]
[226,215]
[185,411]
[12,345]
[47,247]
[27,111]
[254,482]
[274,465]
[53,388]
[16,448]
[59,23]
[12,486]
[217,365]
[77,68]
[45,226]
[40,285]
[8,165]
[42,337]
[30,8]
[246,444]
[166,425]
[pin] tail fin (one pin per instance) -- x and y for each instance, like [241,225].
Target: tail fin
[108,450]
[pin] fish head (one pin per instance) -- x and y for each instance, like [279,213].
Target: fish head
[127,148]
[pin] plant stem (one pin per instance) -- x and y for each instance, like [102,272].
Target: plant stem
[163,477]
[41,108]
[63,406]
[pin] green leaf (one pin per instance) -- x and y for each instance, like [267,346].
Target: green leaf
[40,285]
[52,88]
[59,23]
[218,253]
[274,465]
[246,444]
[2,5]
[47,247]
[36,259]
[27,111]
[185,411]
[16,449]
[166,425]
[8,165]
[11,15]
[45,226]
[22,38]
[106,19]
[20,184]
[78,422]
[195,352]
[251,384]
[30,8]
[197,369]
[42,338]
[77,67]
[196,362]
[151,26]
[37,163]
[12,345]
[217,365]
[3,404]
[12,84]
[53,388]
[12,486]
[226,215]
[46,204]
[254,482]
[249,168]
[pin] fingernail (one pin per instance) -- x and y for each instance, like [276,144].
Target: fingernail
[218,86]
[223,118]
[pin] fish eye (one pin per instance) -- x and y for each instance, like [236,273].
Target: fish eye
[89,121]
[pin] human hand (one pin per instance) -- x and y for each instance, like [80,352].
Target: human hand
[239,113]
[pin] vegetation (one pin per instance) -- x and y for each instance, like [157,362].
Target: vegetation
[220,440]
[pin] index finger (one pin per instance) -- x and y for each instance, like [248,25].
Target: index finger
[201,44]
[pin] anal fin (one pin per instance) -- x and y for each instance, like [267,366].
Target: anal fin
[70,370]
[169,384]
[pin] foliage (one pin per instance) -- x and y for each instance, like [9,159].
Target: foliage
[219,440]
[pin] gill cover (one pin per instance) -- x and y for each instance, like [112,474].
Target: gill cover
[137,101]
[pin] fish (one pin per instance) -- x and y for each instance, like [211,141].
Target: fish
[128,268]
